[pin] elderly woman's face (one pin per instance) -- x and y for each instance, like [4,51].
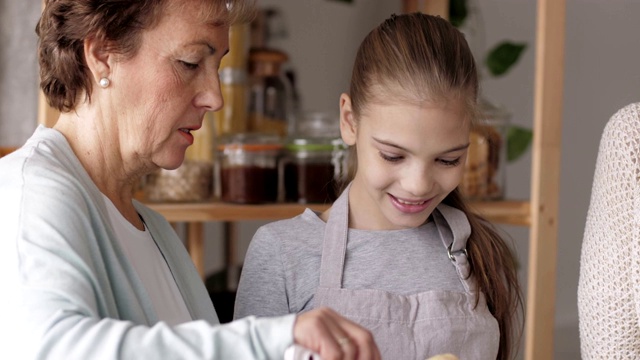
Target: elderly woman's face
[161,95]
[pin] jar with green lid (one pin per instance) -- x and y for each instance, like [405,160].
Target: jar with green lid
[313,169]
[248,168]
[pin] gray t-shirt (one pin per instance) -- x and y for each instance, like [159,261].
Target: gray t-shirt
[282,267]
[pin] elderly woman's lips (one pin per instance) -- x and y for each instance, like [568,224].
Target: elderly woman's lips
[186,133]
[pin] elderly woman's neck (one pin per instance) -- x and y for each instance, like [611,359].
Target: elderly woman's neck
[98,148]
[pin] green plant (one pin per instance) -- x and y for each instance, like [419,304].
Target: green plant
[498,61]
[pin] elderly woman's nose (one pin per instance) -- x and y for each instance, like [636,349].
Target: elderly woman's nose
[210,96]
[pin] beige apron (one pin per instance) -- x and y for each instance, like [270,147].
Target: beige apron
[411,326]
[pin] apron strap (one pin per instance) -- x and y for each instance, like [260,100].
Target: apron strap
[334,246]
[454,229]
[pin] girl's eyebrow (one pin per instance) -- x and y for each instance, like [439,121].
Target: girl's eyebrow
[453,149]
[457,148]
[387,143]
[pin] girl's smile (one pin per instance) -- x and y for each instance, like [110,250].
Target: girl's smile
[409,207]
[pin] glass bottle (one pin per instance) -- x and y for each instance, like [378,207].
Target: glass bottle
[269,93]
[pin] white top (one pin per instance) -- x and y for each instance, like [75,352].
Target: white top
[609,285]
[142,251]
[69,291]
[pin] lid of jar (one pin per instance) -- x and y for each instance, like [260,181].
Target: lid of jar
[266,62]
[492,114]
[315,144]
[249,142]
[267,55]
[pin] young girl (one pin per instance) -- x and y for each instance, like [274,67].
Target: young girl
[398,252]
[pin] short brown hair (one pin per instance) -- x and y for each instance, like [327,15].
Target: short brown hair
[65,24]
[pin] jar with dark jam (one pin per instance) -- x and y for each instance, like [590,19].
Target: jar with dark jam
[248,168]
[313,169]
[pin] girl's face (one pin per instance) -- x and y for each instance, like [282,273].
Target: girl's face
[410,157]
[161,95]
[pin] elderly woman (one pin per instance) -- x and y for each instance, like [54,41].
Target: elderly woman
[86,270]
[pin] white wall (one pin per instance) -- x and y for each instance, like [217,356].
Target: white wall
[18,70]
[602,53]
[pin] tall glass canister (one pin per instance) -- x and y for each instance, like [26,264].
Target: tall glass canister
[232,118]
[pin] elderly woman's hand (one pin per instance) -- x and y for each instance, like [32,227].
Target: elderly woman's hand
[334,337]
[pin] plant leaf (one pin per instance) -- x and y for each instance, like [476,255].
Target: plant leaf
[457,12]
[518,141]
[503,56]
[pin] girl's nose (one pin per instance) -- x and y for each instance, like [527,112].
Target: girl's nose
[419,181]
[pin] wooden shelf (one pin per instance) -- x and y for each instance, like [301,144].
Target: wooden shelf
[218,211]
[510,212]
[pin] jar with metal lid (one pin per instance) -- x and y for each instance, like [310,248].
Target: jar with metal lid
[248,168]
[193,180]
[313,169]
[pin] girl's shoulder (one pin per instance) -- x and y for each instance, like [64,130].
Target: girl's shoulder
[301,229]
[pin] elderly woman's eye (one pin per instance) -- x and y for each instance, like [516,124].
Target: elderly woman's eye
[188,65]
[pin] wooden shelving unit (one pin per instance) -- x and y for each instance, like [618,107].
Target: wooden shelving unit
[502,212]
[540,213]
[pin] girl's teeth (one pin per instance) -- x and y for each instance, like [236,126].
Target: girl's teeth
[185,130]
[410,203]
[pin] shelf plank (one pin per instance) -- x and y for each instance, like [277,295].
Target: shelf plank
[217,211]
[510,212]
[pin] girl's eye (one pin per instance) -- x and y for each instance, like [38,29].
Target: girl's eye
[189,65]
[450,162]
[388,158]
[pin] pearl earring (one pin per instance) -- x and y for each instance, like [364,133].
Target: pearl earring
[104,82]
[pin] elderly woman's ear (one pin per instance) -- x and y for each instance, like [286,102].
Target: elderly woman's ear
[99,60]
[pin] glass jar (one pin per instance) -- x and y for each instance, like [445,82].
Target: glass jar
[269,94]
[248,168]
[318,124]
[313,169]
[485,175]
[193,180]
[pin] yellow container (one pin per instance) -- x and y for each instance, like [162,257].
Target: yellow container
[232,118]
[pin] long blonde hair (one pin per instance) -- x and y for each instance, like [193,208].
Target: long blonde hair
[418,57]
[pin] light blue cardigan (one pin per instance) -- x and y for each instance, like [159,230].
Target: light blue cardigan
[68,290]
